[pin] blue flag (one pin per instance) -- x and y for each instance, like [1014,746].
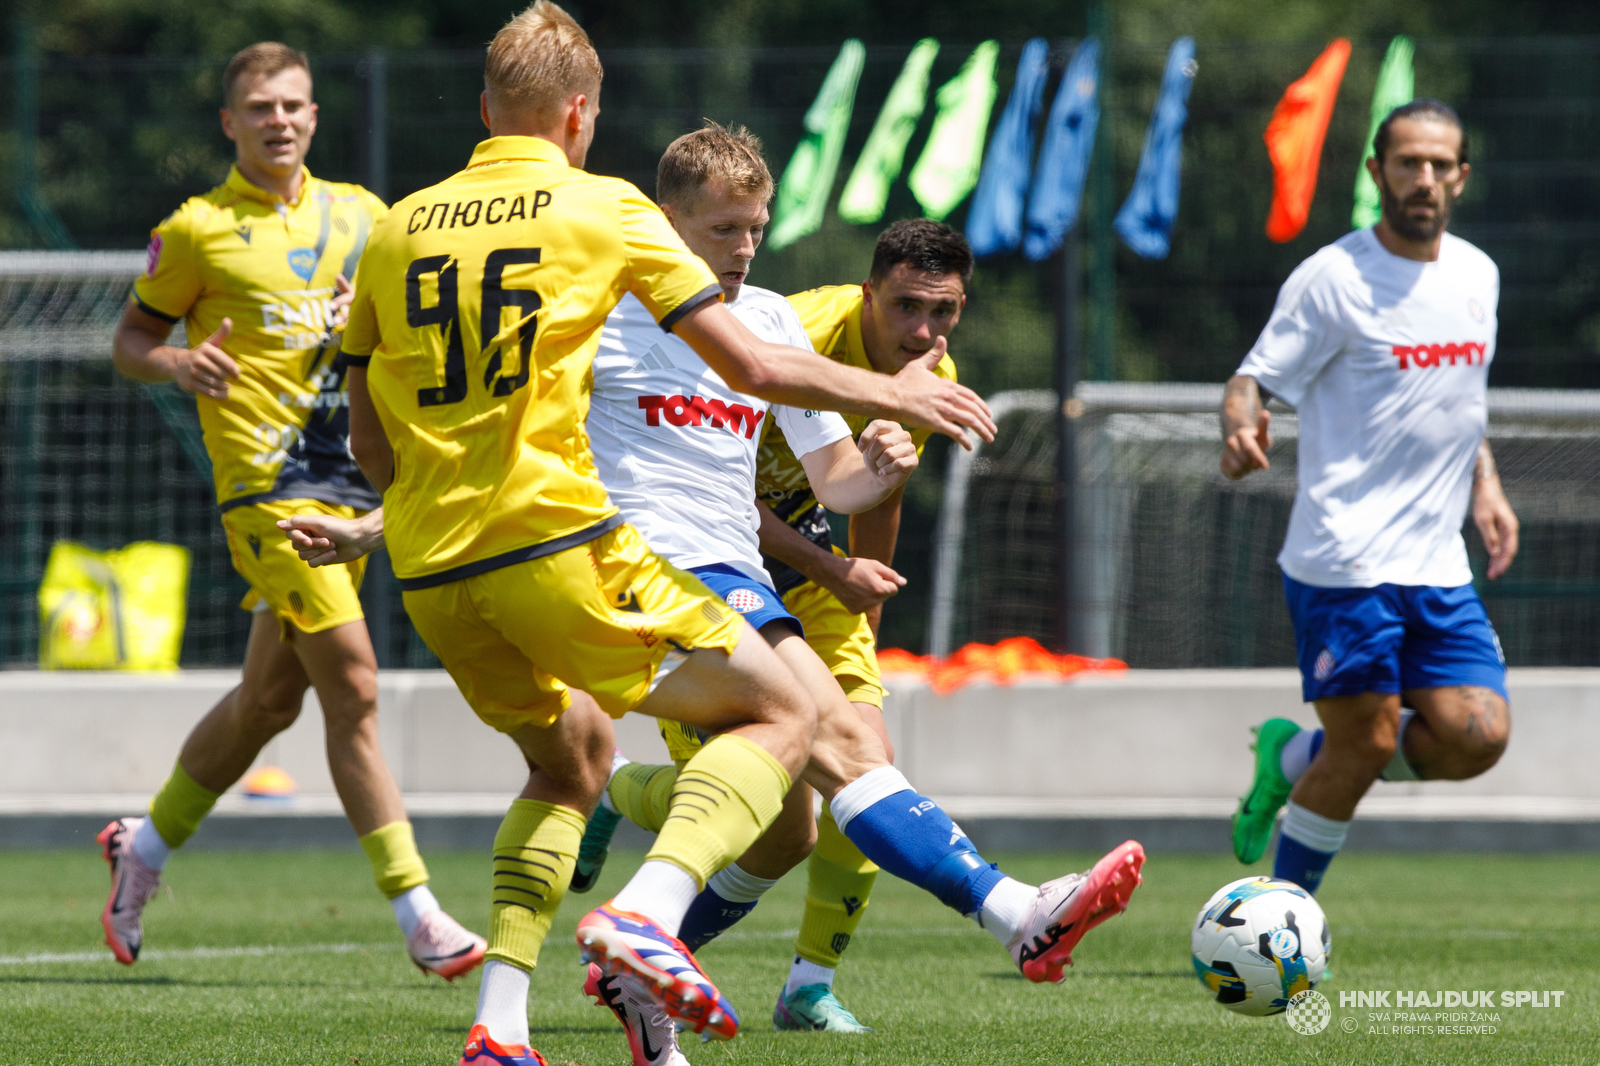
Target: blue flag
[994,221]
[1063,165]
[1147,216]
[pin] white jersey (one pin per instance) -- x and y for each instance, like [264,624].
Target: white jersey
[676,447]
[1387,361]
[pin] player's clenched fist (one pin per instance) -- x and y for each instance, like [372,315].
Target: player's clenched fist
[939,404]
[888,451]
[206,369]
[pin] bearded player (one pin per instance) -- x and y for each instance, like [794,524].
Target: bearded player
[253,266]
[913,297]
[1382,341]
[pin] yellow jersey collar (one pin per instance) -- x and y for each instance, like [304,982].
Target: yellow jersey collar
[242,185]
[505,149]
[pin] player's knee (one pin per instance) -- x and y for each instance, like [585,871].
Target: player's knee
[271,708]
[1476,752]
[350,701]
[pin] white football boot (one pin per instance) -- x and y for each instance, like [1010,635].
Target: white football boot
[133,884]
[1069,907]
[652,1037]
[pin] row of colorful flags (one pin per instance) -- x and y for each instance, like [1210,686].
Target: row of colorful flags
[1028,202]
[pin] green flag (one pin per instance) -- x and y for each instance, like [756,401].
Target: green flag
[808,179]
[879,163]
[1395,87]
[948,167]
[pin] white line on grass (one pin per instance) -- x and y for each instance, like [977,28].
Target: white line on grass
[197,953]
[261,951]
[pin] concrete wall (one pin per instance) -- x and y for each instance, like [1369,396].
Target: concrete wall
[1169,742]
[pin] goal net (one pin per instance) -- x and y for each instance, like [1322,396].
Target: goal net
[1175,566]
[89,456]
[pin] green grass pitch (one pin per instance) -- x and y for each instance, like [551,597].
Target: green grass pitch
[337,989]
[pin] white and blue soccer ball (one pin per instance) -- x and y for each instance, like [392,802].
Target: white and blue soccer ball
[1258,942]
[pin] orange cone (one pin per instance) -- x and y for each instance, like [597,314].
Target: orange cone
[1294,140]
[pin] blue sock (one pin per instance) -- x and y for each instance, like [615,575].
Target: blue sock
[911,837]
[1300,864]
[710,916]
[1306,846]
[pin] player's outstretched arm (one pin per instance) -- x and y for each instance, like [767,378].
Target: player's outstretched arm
[860,584]
[854,476]
[781,374]
[1491,512]
[324,540]
[1245,422]
[139,350]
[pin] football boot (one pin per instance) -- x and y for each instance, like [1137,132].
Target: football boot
[1069,907]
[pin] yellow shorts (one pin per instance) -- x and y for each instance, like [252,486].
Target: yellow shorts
[599,617]
[311,600]
[843,641]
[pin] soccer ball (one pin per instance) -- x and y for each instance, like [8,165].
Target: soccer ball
[1257,942]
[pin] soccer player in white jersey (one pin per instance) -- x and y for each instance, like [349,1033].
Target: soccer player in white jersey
[676,448]
[1382,342]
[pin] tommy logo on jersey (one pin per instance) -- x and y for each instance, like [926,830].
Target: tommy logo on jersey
[693,410]
[1423,356]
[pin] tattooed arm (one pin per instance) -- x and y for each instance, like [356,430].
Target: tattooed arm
[1492,513]
[1245,419]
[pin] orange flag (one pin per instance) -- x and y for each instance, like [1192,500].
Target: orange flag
[1294,140]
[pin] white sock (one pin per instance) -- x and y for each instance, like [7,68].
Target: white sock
[618,761]
[864,791]
[1313,830]
[1400,768]
[733,884]
[148,845]
[1005,908]
[410,905]
[503,1002]
[661,891]
[1295,758]
[805,972]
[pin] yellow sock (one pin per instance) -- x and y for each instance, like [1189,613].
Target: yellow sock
[642,794]
[181,805]
[534,853]
[396,865]
[841,879]
[725,797]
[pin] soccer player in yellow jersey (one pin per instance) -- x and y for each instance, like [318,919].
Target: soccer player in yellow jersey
[475,320]
[256,268]
[912,298]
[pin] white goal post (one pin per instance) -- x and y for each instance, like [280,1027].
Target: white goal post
[1135,437]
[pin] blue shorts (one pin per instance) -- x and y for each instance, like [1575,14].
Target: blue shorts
[758,603]
[1391,638]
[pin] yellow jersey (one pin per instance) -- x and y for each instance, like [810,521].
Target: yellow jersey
[243,253]
[831,316]
[478,314]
